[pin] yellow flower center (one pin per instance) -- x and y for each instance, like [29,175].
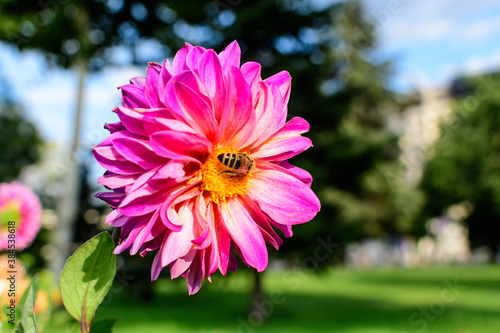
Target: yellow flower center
[218,181]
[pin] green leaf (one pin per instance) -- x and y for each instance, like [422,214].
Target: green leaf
[87,277]
[103,326]
[28,321]
[35,285]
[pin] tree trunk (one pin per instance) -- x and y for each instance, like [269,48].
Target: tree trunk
[67,204]
[257,295]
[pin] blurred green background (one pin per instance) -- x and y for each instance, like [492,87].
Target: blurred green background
[408,176]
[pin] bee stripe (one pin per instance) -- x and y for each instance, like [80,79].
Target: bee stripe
[237,161]
[230,160]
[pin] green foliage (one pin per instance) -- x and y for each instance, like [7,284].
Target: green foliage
[66,31]
[103,326]
[328,50]
[354,156]
[465,162]
[87,277]
[23,139]
[28,321]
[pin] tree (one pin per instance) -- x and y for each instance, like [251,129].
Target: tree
[464,168]
[67,34]
[327,48]
[24,140]
[346,100]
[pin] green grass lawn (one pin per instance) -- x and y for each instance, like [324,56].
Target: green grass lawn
[440,300]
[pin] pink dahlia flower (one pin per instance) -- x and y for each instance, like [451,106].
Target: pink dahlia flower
[21,209]
[198,164]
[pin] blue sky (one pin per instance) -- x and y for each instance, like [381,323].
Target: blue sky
[431,42]
[434,41]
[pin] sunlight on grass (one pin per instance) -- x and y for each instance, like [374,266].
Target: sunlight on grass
[337,300]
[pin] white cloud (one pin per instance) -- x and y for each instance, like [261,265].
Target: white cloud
[472,66]
[448,72]
[481,29]
[403,22]
[482,64]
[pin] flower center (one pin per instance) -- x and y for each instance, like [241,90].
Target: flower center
[8,214]
[221,180]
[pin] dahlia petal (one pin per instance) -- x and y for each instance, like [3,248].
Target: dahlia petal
[296,125]
[218,238]
[262,222]
[268,114]
[127,228]
[285,229]
[116,218]
[133,96]
[137,150]
[173,169]
[202,211]
[113,199]
[223,240]
[156,124]
[211,261]
[178,194]
[238,114]
[279,150]
[165,76]
[286,142]
[245,233]
[114,127]
[203,241]
[180,146]
[152,244]
[143,179]
[212,77]
[138,225]
[156,266]
[283,81]
[279,110]
[114,181]
[299,173]
[177,244]
[195,274]
[193,57]
[169,211]
[131,119]
[139,80]
[251,71]
[109,158]
[233,263]
[284,198]
[179,65]
[186,97]
[231,56]
[181,265]
[146,199]
[151,88]
[150,231]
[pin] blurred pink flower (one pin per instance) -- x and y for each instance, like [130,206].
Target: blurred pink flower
[18,205]
[198,164]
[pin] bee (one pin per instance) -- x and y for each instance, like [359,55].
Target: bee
[239,163]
